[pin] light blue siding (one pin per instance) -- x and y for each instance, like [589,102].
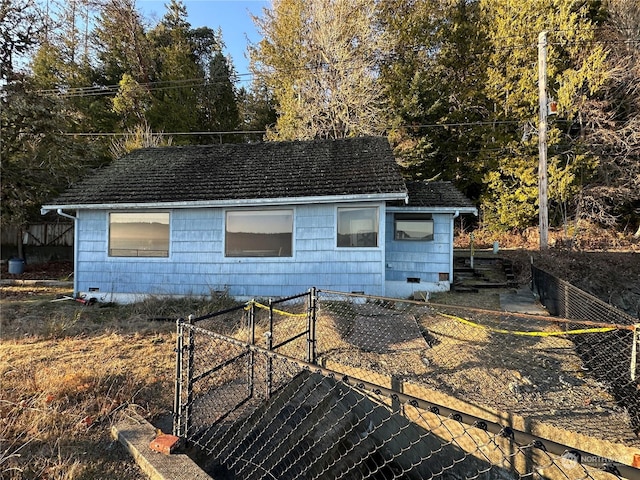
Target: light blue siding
[424,260]
[197,266]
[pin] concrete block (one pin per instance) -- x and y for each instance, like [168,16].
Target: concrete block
[135,433]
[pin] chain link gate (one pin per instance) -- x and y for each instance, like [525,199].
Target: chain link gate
[336,389]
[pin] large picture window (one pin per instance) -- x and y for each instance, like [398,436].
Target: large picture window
[413,226]
[358,227]
[259,233]
[140,234]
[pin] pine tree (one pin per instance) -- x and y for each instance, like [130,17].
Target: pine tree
[434,75]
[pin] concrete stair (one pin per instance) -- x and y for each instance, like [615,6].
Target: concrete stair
[317,427]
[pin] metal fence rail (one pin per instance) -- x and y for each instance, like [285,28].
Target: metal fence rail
[335,385]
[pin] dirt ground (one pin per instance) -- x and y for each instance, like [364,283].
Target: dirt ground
[611,276]
[538,378]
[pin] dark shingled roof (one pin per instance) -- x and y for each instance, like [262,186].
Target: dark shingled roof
[356,166]
[436,194]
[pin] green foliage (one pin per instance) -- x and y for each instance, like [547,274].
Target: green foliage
[131,101]
[37,162]
[575,73]
[433,74]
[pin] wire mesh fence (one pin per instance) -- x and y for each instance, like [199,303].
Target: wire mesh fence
[532,366]
[611,355]
[335,385]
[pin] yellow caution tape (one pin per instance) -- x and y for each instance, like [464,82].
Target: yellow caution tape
[529,334]
[281,312]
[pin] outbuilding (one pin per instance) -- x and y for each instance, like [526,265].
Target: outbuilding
[260,220]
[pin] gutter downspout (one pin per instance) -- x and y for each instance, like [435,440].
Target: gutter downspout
[75,246]
[455,215]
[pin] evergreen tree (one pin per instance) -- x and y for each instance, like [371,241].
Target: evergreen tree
[257,108]
[19,22]
[218,106]
[610,122]
[122,43]
[575,73]
[434,75]
[179,77]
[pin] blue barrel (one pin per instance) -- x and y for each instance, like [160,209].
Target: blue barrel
[16,266]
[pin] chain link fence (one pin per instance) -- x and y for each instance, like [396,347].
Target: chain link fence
[336,385]
[610,356]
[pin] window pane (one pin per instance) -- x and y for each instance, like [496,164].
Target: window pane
[414,227]
[259,233]
[139,234]
[358,227]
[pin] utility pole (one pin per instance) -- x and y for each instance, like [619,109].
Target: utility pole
[542,143]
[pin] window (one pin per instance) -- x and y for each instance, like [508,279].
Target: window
[140,234]
[358,227]
[259,233]
[413,226]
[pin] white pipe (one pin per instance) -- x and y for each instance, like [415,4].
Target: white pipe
[62,214]
[75,246]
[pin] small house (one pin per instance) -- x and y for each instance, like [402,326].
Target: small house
[260,220]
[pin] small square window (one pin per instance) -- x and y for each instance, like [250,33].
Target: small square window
[358,227]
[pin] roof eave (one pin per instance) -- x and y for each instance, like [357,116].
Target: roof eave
[252,202]
[434,209]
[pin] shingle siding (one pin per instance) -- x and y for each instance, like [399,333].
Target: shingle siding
[198,267]
[419,259]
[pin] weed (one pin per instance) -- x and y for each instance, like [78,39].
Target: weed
[68,370]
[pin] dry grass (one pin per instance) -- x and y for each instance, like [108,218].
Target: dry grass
[68,370]
[580,236]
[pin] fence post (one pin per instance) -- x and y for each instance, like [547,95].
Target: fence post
[634,351]
[311,325]
[251,340]
[191,358]
[269,345]
[177,401]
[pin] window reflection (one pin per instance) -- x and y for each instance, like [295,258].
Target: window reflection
[358,227]
[259,233]
[140,234]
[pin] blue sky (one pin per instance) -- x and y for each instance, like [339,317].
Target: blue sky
[231,16]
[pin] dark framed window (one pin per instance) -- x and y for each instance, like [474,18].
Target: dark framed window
[413,226]
[358,227]
[259,233]
[139,234]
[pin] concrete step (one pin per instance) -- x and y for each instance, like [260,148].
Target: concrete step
[317,427]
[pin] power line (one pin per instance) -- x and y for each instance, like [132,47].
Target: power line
[98,90]
[162,134]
